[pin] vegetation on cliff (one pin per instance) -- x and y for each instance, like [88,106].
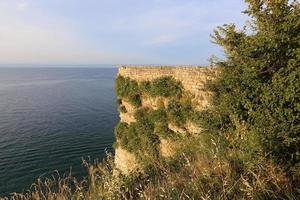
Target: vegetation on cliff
[165,86]
[131,90]
[142,137]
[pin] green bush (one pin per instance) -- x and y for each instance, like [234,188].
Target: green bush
[256,97]
[138,137]
[179,112]
[141,114]
[128,89]
[162,129]
[142,137]
[165,86]
[160,119]
[158,115]
[121,130]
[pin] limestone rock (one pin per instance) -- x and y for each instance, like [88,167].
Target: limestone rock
[125,161]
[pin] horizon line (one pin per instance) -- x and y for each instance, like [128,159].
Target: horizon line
[89,65]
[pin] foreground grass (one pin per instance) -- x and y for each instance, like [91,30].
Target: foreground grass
[198,175]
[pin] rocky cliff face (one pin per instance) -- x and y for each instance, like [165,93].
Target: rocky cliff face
[192,80]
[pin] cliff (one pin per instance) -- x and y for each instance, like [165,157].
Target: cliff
[192,80]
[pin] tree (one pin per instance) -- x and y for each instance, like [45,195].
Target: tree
[256,102]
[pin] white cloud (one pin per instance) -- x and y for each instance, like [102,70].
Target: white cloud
[23,42]
[22,5]
[59,31]
[162,40]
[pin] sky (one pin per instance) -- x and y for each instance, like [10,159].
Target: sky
[113,31]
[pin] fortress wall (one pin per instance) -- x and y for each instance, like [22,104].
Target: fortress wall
[191,77]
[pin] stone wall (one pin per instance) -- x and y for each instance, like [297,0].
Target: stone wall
[192,78]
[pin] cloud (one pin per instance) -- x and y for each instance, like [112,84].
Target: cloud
[162,40]
[24,42]
[22,5]
[168,22]
[110,31]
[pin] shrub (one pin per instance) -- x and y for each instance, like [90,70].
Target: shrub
[162,129]
[256,97]
[157,118]
[160,119]
[179,112]
[121,130]
[141,114]
[138,137]
[129,89]
[158,115]
[165,86]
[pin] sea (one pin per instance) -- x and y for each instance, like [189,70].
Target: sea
[50,119]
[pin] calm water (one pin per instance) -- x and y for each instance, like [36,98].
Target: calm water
[50,119]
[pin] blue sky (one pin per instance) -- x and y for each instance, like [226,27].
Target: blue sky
[113,31]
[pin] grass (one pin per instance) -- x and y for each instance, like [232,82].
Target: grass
[204,174]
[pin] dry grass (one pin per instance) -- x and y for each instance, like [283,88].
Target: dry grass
[54,188]
[202,176]
[264,181]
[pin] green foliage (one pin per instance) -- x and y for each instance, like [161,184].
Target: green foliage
[141,114]
[165,86]
[256,97]
[138,137]
[142,137]
[158,115]
[160,119]
[121,130]
[135,99]
[129,89]
[179,112]
[163,130]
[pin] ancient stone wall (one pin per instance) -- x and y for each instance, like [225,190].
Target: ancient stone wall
[192,78]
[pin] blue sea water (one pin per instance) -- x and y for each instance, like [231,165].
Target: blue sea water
[50,118]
